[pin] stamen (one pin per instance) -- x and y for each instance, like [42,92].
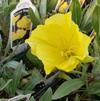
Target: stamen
[67,53]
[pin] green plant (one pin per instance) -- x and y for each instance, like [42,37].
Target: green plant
[21,73]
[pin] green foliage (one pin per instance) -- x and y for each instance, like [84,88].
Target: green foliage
[47,95]
[96,21]
[32,99]
[76,11]
[96,26]
[4,84]
[94,88]
[67,87]
[36,78]
[0,43]
[16,77]
[86,20]
[51,5]
[43,8]
[21,73]
[5,10]
[35,17]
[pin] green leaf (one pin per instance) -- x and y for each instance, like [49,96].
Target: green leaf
[12,1]
[11,89]
[84,71]
[94,88]
[88,59]
[96,21]
[32,99]
[0,42]
[47,95]
[98,2]
[96,69]
[9,8]
[14,65]
[67,87]
[4,84]
[34,16]
[5,14]
[64,76]
[76,11]
[5,3]
[17,76]
[86,22]
[43,8]
[51,5]
[35,79]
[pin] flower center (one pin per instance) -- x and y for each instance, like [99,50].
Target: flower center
[67,53]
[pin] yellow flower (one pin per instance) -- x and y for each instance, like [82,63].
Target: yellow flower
[63,7]
[59,43]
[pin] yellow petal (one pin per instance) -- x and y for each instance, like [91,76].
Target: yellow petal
[63,20]
[86,42]
[49,68]
[49,55]
[63,7]
[49,35]
[71,31]
[69,64]
[81,47]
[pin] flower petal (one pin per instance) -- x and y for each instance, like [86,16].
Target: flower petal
[69,64]
[50,34]
[49,55]
[63,20]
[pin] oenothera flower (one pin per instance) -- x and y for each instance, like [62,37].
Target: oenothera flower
[59,43]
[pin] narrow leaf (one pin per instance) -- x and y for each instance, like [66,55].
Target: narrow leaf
[32,99]
[86,22]
[5,85]
[76,11]
[35,79]
[96,20]
[67,87]
[94,88]
[47,95]
[11,89]
[34,16]
[43,8]
[51,5]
